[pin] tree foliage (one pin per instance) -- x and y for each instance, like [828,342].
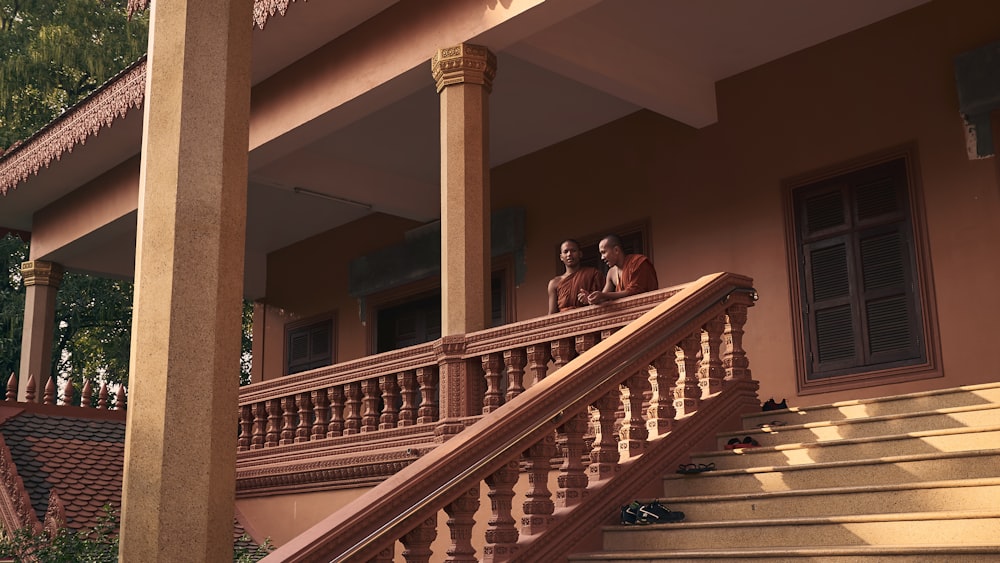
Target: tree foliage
[53,53]
[97,545]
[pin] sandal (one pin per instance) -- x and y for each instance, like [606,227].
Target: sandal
[688,468]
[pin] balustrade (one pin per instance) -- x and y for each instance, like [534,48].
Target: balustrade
[67,395]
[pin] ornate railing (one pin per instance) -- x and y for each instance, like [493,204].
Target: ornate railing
[673,372]
[358,422]
[106,399]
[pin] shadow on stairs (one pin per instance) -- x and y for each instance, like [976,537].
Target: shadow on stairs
[911,477]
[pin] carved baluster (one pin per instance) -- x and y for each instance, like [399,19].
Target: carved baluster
[304,428]
[461,519]
[735,360]
[321,414]
[417,542]
[428,411]
[50,392]
[29,393]
[710,373]
[273,423]
[352,408]
[336,396]
[120,398]
[369,402]
[408,392]
[538,361]
[86,394]
[662,376]
[288,415]
[67,393]
[102,396]
[390,402]
[501,535]
[11,387]
[585,342]
[563,350]
[259,425]
[515,360]
[604,453]
[492,370]
[246,425]
[687,394]
[538,505]
[619,408]
[572,473]
[633,434]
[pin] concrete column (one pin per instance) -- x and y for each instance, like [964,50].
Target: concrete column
[180,449]
[41,281]
[464,76]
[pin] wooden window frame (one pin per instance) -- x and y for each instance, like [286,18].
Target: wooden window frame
[928,327]
[291,327]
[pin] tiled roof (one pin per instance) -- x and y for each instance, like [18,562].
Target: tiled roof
[80,459]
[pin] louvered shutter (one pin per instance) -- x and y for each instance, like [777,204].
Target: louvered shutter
[857,272]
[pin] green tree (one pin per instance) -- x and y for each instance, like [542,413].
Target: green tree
[53,53]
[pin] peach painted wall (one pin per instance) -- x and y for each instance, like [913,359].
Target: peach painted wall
[713,197]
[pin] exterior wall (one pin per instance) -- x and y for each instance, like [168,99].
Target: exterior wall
[713,197]
[282,517]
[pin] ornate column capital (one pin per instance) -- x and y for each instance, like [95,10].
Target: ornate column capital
[464,64]
[40,272]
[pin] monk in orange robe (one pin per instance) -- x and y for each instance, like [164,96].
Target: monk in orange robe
[629,274]
[570,290]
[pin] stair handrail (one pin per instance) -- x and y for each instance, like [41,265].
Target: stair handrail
[375,520]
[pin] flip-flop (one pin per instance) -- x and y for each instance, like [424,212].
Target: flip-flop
[706,467]
[749,442]
[688,468]
[772,423]
[734,443]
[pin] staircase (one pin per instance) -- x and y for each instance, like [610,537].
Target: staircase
[911,477]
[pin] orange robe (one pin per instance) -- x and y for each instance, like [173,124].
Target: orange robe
[587,279]
[637,275]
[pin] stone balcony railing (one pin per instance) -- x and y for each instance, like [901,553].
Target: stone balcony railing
[623,405]
[358,422]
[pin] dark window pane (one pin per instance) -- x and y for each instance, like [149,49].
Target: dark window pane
[824,211]
[829,273]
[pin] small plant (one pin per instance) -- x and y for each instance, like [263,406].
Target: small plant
[99,545]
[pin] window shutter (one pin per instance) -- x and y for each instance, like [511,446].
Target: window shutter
[859,284]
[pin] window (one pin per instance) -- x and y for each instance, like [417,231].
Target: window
[309,345]
[860,296]
[415,316]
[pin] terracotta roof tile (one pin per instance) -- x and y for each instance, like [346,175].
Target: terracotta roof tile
[81,459]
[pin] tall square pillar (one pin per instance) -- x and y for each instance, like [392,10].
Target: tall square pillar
[180,446]
[41,280]
[464,76]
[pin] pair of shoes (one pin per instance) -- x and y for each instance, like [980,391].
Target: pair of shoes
[637,513]
[747,442]
[772,423]
[771,405]
[689,468]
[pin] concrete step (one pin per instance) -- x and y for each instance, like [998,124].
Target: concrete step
[801,453]
[908,529]
[970,494]
[833,554]
[964,396]
[890,470]
[776,430]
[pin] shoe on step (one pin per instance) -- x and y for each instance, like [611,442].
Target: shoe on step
[656,513]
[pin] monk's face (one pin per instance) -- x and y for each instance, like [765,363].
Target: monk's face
[612,255]
[570,253]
